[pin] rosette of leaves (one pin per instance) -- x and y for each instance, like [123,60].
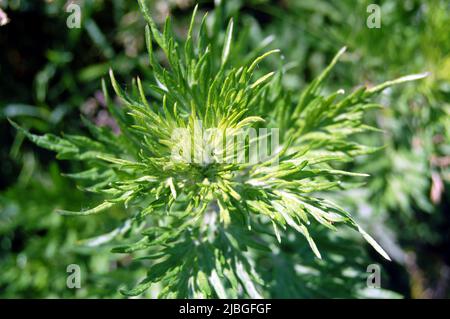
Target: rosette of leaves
[199,223]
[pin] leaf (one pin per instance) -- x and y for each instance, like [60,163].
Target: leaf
[118,161]
[260,58]
[105,238]
[227,44]
[139,289]
[373,243]
[246,281]
[48,141]
[302,230]
[403,79]
[311,242]
[262,79]
[98,209]
[202,282]
[328,69]
[172,187]
[126,249]
[156,34]
[120,93]
[216,283]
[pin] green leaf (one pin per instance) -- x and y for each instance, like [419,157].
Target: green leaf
[373,243]
[227,44]
[403,79]
[139,289]
[98,209]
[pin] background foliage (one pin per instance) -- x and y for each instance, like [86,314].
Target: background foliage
[50,74]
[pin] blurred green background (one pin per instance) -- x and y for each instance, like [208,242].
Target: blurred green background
[50,74]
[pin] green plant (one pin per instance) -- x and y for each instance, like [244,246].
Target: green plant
[201,225]
[405,201]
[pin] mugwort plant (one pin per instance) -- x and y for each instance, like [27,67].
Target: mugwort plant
[201,204]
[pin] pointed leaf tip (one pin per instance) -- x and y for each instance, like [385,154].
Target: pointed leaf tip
[98,209]
[403,79]
[373,243]
[227,44]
